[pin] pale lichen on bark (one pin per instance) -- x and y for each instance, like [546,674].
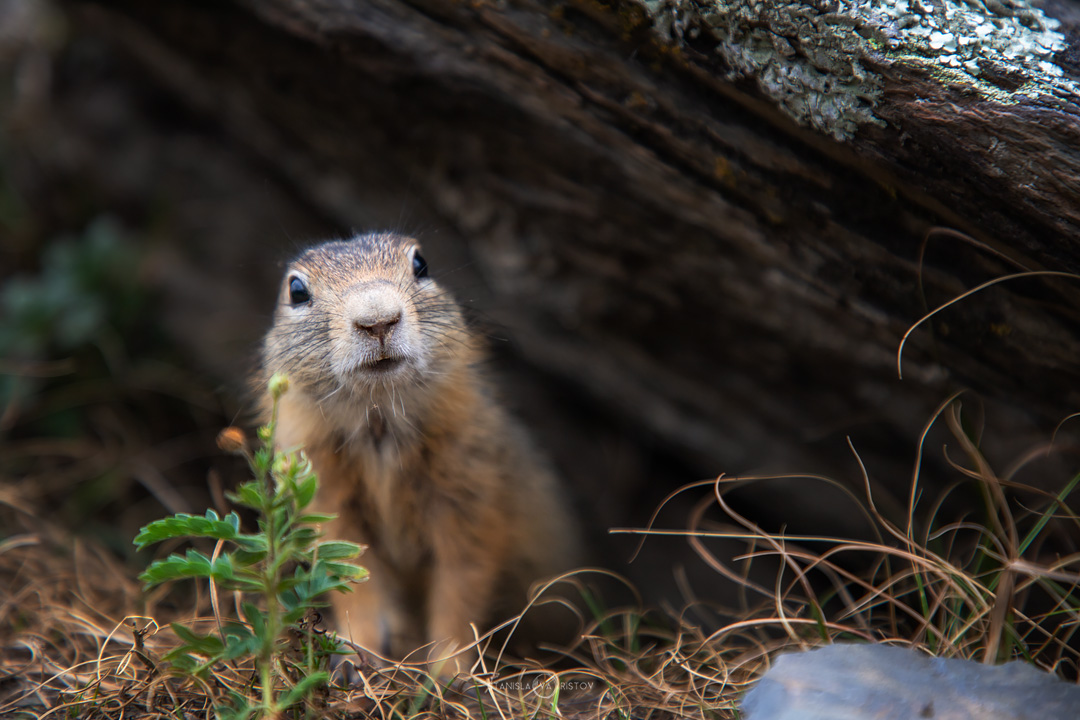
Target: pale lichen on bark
[812,58]
[1002,49]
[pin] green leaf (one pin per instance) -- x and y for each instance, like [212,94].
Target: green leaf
[208,645]
[288,583]
[248,582]
[262,460]
[255,618]
[241,648]
[194,565]
[184,525]
[302,537]
[345,570]
[303,688]
[240,642]
[316,518]
[251,543]
[238,708]
[181,661]
[281,521]
[295,615]
[245,559]
[338,550]
[305,491]
[307,585]
[1059,500]
[235,629]
[249,495]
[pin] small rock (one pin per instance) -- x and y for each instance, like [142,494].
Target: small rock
[880,682]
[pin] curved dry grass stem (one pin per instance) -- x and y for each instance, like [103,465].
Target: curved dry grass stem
[1004,527]
[969,293]
[218,547]
[663,503]
[963,237]
[1057,428]
[913,494]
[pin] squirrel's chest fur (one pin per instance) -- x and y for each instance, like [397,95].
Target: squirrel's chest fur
[385,477]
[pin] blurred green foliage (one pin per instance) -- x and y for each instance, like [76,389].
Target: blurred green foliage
[86,285]
[85,300]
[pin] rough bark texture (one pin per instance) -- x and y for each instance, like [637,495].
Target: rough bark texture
[681,267]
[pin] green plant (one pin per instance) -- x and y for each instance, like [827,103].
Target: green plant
[258,565]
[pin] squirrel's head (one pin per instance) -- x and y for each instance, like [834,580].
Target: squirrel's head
[362,315]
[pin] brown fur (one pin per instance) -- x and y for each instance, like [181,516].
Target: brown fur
[459,513]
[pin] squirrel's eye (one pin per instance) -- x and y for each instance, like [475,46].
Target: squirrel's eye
[298,292]
[419,266]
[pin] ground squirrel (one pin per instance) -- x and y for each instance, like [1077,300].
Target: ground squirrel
[413,453]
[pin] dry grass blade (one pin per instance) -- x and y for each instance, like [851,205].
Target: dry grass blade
[969,293]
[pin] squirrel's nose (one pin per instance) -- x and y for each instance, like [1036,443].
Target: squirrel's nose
[376,309]
[378,328]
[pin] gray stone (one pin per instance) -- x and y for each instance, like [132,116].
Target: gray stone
[879,682]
